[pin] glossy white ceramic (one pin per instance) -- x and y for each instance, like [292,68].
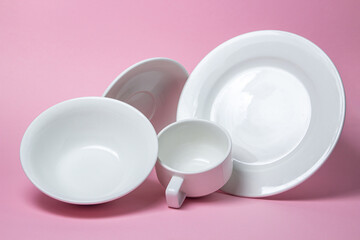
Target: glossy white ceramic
[194,159]
[89,150]
[153,86]
[282,101]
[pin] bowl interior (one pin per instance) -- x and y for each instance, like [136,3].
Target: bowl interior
[89,150]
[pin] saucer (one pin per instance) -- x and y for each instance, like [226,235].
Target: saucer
[282,101]
[153,86]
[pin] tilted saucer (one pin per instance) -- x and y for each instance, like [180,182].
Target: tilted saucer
[153,86]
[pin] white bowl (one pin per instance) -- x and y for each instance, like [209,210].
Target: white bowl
[282,101]
[89,150]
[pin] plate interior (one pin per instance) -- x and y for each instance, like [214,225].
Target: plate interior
[264,106]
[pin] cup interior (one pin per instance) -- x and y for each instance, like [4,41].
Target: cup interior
[89,150]
[193,146]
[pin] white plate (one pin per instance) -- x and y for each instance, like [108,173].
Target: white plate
[282,101]
[153,86]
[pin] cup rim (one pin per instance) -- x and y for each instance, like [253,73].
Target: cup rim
[213,124]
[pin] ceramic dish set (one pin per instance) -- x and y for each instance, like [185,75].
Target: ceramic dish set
[257,116]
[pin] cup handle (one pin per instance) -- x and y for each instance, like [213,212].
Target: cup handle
[174,196]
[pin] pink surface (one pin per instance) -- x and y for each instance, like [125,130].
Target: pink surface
[51,51]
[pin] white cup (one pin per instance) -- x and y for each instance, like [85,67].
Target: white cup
[89,150]
[194,159]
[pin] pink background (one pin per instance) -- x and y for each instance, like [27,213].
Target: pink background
[52,51]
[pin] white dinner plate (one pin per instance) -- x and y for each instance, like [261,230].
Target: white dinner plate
[282,101]
[153,86]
